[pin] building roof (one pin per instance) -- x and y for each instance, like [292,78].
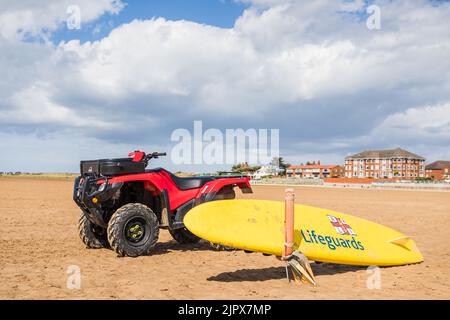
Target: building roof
[391,153]
[438,165]
[314,166]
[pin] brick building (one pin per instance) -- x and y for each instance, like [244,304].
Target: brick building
[315,171]
[438,170]
[383,164]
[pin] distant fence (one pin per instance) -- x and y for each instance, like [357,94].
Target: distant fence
[355,183]
[411,185]
[289,181]
[357,180]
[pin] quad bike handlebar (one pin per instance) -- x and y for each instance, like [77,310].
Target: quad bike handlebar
[154,155]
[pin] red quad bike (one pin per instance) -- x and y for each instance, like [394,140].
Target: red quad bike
[124,205]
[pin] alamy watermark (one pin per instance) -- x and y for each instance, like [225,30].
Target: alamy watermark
[73,281]
[373,22]
[373,281]
[73,17]
[212,146]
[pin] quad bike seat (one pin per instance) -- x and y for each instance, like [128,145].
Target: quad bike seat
[186,183]
[190,182]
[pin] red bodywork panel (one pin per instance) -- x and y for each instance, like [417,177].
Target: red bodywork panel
[157,181]
[137,156]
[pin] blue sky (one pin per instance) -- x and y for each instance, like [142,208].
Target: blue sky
[312,69]
[220,13]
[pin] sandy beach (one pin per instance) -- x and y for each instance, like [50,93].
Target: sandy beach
[39,241]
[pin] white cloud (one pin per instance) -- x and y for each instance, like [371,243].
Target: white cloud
[268,58]
[424,123]
[34,105]
[313,64]
[37,18]
[352,6]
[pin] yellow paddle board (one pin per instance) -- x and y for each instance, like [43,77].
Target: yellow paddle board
[322,235]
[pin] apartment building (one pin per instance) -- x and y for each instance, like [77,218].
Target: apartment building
[438,170]
[383,164]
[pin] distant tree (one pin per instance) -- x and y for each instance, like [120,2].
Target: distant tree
[279,162]
[244,168]
[240,167]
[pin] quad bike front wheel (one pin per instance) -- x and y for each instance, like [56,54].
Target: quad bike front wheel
[93,237]
[133,230]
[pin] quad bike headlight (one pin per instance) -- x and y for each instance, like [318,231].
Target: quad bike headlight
[102,187]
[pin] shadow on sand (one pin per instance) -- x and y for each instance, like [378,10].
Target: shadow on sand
[275,273]
[166,247]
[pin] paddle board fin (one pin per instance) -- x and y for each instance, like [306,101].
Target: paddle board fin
[298,265]
[404,242]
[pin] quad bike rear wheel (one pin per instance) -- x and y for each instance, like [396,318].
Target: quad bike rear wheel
[93,237]
[184,236]
[226,193]
[220,247]
[133,230]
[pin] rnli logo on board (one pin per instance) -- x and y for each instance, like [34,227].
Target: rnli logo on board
[341,227]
